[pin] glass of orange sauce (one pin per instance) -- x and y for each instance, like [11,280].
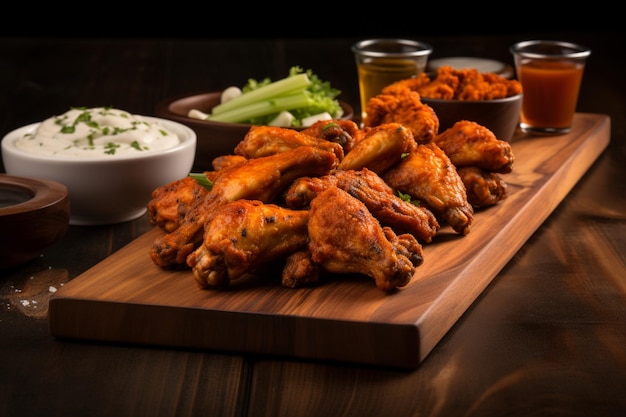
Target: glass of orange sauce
[551,73]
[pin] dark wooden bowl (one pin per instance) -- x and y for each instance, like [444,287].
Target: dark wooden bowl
[34,214]
[214,138]
[501,116]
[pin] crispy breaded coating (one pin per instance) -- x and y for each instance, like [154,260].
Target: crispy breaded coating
[412,83]
[403,106]
[459,84]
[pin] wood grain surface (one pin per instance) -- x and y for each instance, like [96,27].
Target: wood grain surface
[126,298]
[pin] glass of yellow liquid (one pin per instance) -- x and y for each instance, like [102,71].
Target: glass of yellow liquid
[381,62]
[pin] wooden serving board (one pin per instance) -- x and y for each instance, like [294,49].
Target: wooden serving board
[126,298]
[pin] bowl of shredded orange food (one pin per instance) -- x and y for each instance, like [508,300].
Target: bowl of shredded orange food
[486,98]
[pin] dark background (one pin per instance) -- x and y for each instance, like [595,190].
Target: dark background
[306,20]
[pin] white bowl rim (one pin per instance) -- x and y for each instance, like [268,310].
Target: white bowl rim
[9,139]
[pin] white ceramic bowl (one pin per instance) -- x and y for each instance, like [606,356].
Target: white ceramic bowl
[105,191]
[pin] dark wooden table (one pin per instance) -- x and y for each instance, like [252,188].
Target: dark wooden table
[547,337]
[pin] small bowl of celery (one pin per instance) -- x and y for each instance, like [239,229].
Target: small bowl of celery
[221,119]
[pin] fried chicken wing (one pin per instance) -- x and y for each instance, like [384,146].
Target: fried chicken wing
[483,188]
[344,237]
[171,202]
[225,161]
[378,197]
[429,176]
[300,270]
[256,179]
[264,178]
[405,107]
[468,143]
[344,132]
[171,250]
[268,140]
[381,148]
[243,235]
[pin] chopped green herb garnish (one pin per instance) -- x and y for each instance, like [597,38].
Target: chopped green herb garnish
[134,144]
[110,148]
[408,198]
[202,180]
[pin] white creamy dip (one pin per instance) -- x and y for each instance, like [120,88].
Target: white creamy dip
[97,132]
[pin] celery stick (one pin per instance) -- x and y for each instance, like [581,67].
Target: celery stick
[263,108]
[286,86]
